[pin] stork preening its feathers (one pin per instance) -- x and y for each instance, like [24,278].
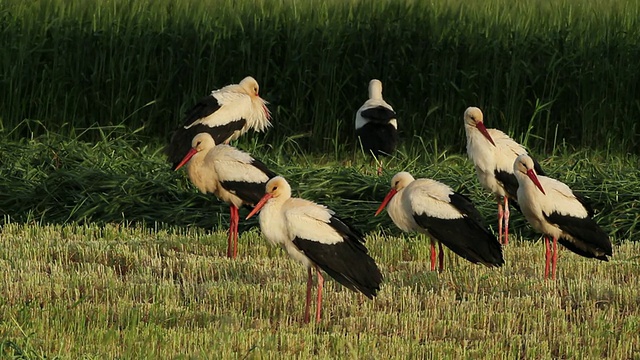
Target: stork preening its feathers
[225,114]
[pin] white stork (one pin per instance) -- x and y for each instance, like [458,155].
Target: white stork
[493,154]
[313,235]
[376,124]
[433,208]
[230,174]
[225,114]
[552,208]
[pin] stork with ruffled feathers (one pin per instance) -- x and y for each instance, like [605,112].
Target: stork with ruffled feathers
[225,114]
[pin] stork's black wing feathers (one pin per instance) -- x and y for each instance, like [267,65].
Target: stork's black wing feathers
[589,239]
[509,182]
[465,237]
[538,168]
[583,200]
[378,139]
[349,233]
[465,206]
[582,252]
[346,261]
[249,192]
[181,138]
[262,167]
[378,114]
[203,108]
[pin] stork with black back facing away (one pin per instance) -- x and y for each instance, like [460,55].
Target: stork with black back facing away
[376,125]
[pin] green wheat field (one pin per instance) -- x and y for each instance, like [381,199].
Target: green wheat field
[107,254]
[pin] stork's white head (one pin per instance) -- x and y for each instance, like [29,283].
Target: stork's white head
[250,86]
[201,142]
[524,165]
[401,180]
[375,89]
[473,118]
[276,188]
[398,182]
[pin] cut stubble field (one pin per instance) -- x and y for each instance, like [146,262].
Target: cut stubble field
[112,291]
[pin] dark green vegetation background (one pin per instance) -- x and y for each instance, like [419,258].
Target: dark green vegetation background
[90,91]
[69,65]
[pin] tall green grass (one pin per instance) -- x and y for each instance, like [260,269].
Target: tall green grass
[71,65]
[125,179]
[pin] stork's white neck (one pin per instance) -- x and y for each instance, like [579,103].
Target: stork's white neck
[196,172]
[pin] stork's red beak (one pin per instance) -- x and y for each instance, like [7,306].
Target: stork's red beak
[484,132]
[260,204]
[386,200]
[186,158]
[532,175]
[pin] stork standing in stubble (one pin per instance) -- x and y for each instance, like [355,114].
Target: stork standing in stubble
[225,114]
[234,176]
[431,207]
[376,125]
[493,154]
[315,236]
[552,208]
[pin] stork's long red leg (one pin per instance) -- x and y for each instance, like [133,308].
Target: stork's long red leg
[506,220]
[308,303]
[555,258]
[500,220]
[236,215]
[319,301]
[433,255]
[440,257]
[547,257]
[230,240]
